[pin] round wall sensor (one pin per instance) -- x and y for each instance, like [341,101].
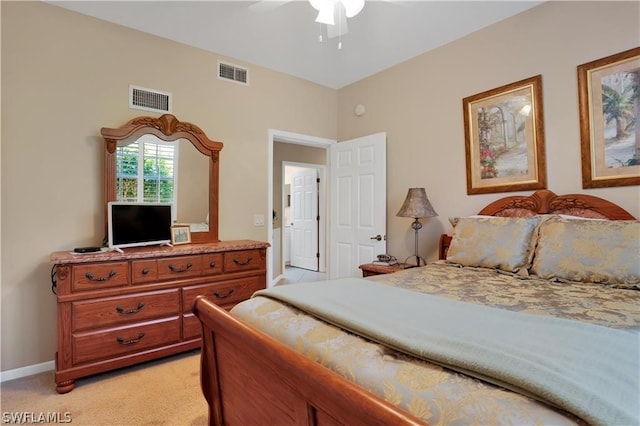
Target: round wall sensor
[359,111]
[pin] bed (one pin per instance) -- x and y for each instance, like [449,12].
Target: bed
[531,316]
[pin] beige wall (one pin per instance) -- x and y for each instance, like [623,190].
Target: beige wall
[419,105]
[64,76]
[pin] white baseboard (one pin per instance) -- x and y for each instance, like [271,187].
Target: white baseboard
[29,370]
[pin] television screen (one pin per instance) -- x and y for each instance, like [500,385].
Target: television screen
[138,224]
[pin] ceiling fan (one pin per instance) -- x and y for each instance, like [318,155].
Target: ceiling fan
[332,13]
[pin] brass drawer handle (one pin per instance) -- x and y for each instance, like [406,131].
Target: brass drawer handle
[176,269]
[90,276]
[223,295]
[135,310]
[133,341]
[241,263]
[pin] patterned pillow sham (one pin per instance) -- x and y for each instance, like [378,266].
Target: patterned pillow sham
[455,219]
[504,243]
[599,251]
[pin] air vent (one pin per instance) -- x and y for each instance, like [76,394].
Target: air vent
[233,73]
[149,99]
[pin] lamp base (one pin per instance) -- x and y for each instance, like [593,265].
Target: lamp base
[416,226]
[418,259]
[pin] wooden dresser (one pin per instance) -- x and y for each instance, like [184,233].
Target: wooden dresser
[118,309]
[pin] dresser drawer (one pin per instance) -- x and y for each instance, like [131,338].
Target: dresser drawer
[212,264]
[242,260]
[223,293]
[110,343]
[179,267]
[143,271]
[191,327]
[96,276]
[98,313]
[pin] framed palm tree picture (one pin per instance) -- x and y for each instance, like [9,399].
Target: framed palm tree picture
[609,106]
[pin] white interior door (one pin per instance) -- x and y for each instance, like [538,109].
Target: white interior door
[358,207]
[304,219]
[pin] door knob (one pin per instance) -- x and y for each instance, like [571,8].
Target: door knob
[377,237]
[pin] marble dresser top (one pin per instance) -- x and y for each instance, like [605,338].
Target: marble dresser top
[62,257]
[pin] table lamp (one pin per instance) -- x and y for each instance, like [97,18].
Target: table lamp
[416,205]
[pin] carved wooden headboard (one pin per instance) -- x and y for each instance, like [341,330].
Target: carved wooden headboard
[546,202]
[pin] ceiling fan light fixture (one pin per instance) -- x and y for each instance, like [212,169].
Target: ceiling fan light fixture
[352,7]
[318,4]
[326,9]
[325,14]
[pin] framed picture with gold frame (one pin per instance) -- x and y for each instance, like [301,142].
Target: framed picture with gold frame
[609,106]
[180,234]
[504,138]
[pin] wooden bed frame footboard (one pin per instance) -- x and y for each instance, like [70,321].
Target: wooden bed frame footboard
[249,378]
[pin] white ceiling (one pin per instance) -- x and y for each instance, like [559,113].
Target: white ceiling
[282,35]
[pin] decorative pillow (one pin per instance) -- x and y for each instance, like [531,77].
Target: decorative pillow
[571,217]
[455,219]
[494,242]
[600,251]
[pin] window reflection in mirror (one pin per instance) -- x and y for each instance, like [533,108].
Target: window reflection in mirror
[151,170]
[145,170]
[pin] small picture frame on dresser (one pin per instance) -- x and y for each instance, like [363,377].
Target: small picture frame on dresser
[180,234]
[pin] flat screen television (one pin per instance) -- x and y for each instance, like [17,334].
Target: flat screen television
[138,224]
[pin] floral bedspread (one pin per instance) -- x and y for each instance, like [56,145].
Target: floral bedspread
[595,303]
[431,392]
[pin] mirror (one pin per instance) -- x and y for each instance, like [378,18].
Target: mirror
[198,169]
[186,173]
[192,188]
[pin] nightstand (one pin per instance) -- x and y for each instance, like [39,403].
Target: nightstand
[369,269]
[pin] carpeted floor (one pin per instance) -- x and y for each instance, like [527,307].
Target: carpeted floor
[161,392]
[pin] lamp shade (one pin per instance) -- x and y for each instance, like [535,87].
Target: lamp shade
[416,205]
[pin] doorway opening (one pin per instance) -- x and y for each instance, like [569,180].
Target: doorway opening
[301,215]
[351,225]
[290,150]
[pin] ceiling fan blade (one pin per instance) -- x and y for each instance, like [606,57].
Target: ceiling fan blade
[266,5]
[340,28]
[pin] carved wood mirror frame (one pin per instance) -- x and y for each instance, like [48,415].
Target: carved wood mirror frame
[167,128]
